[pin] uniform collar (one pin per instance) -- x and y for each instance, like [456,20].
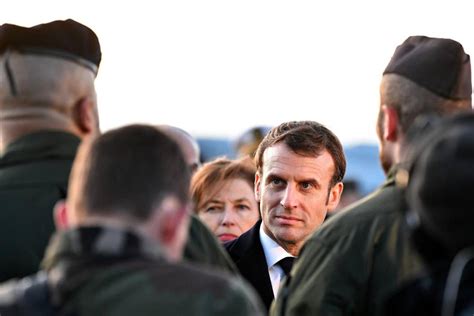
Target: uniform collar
[40,145]
[99,241]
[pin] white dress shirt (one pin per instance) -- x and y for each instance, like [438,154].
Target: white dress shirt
[273,253]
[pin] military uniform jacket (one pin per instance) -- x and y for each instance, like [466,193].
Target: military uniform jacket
[352,264]
[104,271]
[203,248]
[34,172]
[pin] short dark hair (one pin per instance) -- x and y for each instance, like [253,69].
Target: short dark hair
[305,138]
[130,170]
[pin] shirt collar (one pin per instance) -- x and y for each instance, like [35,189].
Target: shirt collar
[272,250]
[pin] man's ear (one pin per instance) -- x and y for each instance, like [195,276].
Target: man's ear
[335,195]
[170,226]
[390,123]
[61,220]
[257,187]
[85,116]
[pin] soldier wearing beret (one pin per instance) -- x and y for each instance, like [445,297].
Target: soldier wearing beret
[360,256]
[120,237]
[47,105]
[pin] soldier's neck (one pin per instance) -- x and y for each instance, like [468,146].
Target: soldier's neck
[13,128]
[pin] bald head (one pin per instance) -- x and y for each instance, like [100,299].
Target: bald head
[43,81]
[186,142]
[39,92]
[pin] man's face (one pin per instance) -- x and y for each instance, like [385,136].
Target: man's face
[294,194]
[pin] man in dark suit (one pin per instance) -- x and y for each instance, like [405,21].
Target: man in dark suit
[300,167]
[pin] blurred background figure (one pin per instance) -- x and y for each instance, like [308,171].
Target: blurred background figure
[351,194]
[186,142]
[247,143]
[223,194]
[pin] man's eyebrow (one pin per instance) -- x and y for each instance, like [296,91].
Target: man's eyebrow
[273,176]
[312,181]
[214,201]
[244,199]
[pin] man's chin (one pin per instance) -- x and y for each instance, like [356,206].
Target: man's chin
[285,234]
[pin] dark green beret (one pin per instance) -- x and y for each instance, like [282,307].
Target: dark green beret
[437,64]
[63,39]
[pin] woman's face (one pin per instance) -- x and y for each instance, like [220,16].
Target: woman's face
[231,211]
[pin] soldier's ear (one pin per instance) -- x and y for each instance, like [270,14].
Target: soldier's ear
[169,225]
[390,123]
[60,215]
[84,115]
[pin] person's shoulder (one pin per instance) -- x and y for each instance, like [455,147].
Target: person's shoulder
[207,285]
[26,296]
[38,159]
[377,209]
[162,286]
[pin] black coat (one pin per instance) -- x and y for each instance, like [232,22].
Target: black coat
[247,254]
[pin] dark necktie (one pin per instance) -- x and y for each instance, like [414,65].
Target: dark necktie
[286,264]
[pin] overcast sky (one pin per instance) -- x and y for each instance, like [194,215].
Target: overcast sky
[219,67]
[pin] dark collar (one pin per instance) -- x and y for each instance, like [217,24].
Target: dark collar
[92,242]
[41,145]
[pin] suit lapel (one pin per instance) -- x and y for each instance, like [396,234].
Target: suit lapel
[248,255]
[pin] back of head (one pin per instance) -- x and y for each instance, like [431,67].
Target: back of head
[440,178]
[210,177]
[187,143]
[427,75]
[127,173]
[305,138]
[46,68]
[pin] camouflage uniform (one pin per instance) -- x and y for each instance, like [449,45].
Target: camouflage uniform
[34,172]
[354,261]
[110,271]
